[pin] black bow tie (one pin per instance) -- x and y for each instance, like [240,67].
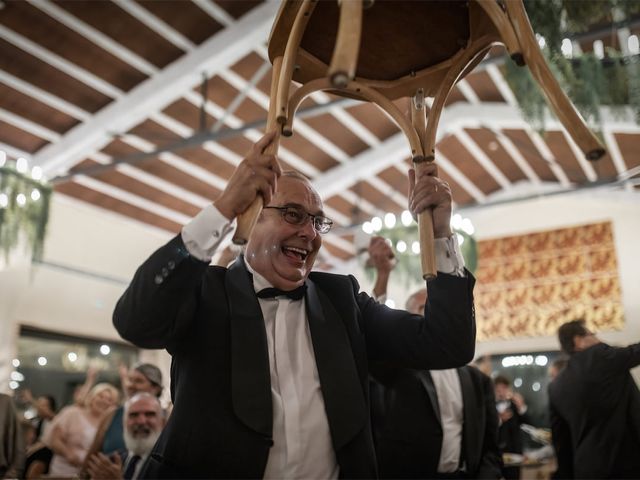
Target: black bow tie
[295,294]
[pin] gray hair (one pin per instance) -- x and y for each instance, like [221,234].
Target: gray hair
[140,396]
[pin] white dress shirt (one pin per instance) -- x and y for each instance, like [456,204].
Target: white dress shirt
[302,440]
[449,391]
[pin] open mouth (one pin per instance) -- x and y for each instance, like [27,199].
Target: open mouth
[298,254]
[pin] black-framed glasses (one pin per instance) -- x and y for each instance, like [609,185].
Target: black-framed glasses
[297,216]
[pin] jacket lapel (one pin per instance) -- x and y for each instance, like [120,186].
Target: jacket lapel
[472,417]
[343,397]
[427,382]
[250,376]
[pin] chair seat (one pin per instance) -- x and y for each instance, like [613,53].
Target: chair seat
[401,41]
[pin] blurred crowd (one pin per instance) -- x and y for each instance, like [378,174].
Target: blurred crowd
[104,433]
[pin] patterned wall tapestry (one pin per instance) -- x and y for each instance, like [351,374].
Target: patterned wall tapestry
[528,285]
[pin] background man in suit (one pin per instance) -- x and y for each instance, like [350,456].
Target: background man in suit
[275,384]
[512,413]
[430,424]
[142,423]
[595,408]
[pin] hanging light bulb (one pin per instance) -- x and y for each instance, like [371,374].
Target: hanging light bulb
[456,221]
[35,194]
[541,40]
[390,220]
[21,199]
[3,158]
[367,228]
[567,48]
[406,218]
[376,223]
[36,173]
[633,44]
[4,200]
[598,49]
[22,165]
[401,246]
[415,247]
[467,226]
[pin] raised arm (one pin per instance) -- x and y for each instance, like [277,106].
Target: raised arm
[158,307]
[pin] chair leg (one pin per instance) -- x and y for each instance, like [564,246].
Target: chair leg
[501,22]
[345,53]
[560,103]
[289,59]
[458,66]
[247,219]
[425,219]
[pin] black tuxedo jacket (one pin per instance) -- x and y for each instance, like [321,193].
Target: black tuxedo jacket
[595,414]
[210,321]
[409,429]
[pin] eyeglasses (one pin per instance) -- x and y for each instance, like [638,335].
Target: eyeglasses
[297,216]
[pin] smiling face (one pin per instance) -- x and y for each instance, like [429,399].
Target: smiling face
[279,251]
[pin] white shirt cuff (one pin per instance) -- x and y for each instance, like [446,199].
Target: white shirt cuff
[204,233]
[381,299]
[448,256]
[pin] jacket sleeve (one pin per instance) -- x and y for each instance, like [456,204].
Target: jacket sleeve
[561,437]
[157,308]
[491,460]
[619,359]
[443,338]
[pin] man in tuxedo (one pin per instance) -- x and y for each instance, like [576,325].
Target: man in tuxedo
[143,420]
[434,424]
[595,408]
[270,360]
[512,413]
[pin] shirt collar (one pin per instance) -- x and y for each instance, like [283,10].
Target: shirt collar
[259,282]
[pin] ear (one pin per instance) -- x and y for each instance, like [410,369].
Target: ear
[578,343]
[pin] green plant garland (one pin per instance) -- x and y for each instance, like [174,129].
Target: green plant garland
[590,82]
[29,219]
[408,266]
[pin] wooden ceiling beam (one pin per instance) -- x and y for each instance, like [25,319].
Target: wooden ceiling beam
[96,36]
[28,126]
[482,158]
[616,156]
[156,24]
[221,50]
[43,96]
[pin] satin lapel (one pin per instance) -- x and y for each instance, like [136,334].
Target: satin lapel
[470,419]
[427,381]
[343,397]
[250,376]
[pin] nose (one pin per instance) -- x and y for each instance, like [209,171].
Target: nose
[307,230]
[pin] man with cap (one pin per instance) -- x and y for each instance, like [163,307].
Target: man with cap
[270,360]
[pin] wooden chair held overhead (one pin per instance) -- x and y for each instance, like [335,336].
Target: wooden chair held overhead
[380,51]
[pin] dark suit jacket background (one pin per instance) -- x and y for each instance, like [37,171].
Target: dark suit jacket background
[210,321]
[409,430]
[510,434]
[595,414]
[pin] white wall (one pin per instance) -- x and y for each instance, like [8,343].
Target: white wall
[106,247]
[547,213]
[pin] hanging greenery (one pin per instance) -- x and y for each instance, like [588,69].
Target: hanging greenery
[24,211]
[589,81]
[408,267]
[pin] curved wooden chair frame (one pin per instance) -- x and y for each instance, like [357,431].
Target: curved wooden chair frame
[302,49]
